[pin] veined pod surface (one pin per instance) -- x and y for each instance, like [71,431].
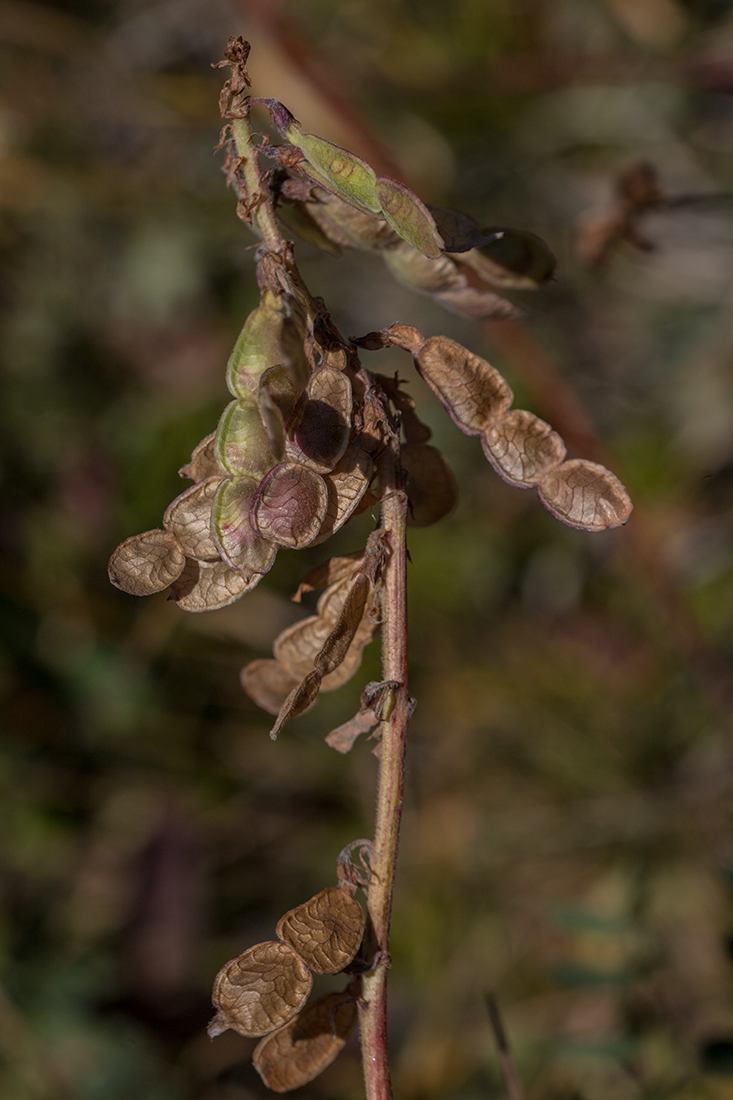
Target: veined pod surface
[408,216]
[239,543]
[242,445]
[296,1053]
[188,517]
[326,930]
[260,990]
[420,272]
[522,448]
[258,347]
[319,432]
[147,563]
[585,495]
[210,585]
[346,484]
[471,390]
[202,463]
[338,170]
[290,505]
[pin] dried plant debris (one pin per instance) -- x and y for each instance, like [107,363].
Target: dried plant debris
[522,448]
[326,931]
[637,191]
[259,990]
[147,563]
[189,519]
[298,1052]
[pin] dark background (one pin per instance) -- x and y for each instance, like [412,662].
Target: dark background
[567,833]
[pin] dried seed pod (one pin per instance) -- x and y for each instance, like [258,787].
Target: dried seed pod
[412,426]
[470,301]
[268,683]
[331,601]
[290,505]
[335,647]
[209,585]
[203,462]
[278,383]
[346,484]
[432,490]
[242,445]
[351,661]
[511,258]
[240,545]
[408,216]
[296,646]
[318,434]
[188,517]
[338,170]
[298,701]
[420,272]
[326,931]
[147,563]
[522,448]
[259,990]
[585,495]
[459,232]
[330,572]
[348,227]
[298,1052]
[471,390]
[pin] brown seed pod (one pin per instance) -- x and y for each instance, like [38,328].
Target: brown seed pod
[147,563]
[344,225]
[209,585]
[259,990]
[290,505]
[330,572]
[522,448]
[585,495]
[346,484]
[472,391]
[298,1052]
[189,519]
[296,646]
[326,931]
[431,487]
[203,462]
[268,683]
[320,430]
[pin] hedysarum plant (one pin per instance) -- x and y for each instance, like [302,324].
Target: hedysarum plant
[309,439]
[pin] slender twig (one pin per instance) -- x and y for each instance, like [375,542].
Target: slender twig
[512,1080]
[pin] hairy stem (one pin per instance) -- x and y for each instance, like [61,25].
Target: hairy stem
[262,213]
[391,783]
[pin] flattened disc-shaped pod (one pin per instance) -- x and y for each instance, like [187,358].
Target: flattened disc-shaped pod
[242,445]
[241,546]
[432,491]
[189,519]
[296,646]
[326,931]
[585,495]
[471,390]
[268,683]
[319,434]
[290,505]
[259,990]
[256,349]
[522,448]
[147,563]
[210,585]
[202,463]
[346,483]
[298,1052]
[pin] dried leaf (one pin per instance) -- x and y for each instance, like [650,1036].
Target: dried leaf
[268,683]
[431,487]
[259,990]
[319,433]
[408,216]
[209,585]
[522,448]
[298,1052]
[146,563]
[342,738]
[346,484]
[188,517]
[335,647]
[290,505]
[329,572]
[241,445]
[298,701]
[348,227]
[470,301]
[240,545]
[338,170]
[585,495]
[203,462]
[326,931]
[472,391]
[511,258]
[296,646]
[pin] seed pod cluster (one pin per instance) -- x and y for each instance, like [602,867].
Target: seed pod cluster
[522,448]
[284,468]
[263,990]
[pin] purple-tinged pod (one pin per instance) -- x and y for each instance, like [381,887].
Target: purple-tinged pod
[319,432]
[346,483]
[409,217]
[522,448]
[242,445]
[188,517]
[338,170]
[471,390]
[290,505]
[420,272]
[239,543]
[585,495]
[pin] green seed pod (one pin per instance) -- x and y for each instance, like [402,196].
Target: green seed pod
[272,334]
[337,170]
[242,445]
[409,217]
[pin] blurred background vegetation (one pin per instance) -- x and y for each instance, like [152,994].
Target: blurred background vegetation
[567,836]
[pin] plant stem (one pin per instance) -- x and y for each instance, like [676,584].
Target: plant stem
[263,215]
[390,785]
